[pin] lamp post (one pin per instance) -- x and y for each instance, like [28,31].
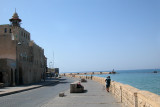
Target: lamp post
[50,64]
[50,69]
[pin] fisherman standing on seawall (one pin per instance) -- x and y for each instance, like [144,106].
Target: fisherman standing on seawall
[108,81]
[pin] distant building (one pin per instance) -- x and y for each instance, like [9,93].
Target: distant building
[56,71]
[21,60]
[52,72]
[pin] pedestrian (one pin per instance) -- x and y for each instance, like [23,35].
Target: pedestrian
[91,76]
[108,81]
[44,77]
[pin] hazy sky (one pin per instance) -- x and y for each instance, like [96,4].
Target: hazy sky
[92,35]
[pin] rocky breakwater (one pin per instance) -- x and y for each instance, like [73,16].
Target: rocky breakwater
[85,73]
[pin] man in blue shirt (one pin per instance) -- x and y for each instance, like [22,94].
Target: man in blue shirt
[108,81]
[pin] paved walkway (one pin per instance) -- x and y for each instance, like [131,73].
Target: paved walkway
[95,96]
[11,90]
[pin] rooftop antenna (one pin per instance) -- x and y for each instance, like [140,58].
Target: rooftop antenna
[15,10]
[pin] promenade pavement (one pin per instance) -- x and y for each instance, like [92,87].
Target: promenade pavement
[11,90]
[95,95]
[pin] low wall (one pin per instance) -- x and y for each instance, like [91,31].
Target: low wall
[128,95]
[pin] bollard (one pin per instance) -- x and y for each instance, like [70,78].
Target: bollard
[61,94]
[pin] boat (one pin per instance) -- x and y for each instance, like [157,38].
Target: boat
[155,71]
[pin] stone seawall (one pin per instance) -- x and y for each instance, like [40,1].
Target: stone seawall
[128,95]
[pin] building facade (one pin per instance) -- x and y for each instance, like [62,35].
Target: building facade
[28,59]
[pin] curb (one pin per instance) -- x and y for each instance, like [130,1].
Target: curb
[21,90]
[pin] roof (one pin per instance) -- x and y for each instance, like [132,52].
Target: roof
[15,17]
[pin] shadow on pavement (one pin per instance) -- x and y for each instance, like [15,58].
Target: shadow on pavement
[53,82]
[85,91]
[62,79]
[63,82]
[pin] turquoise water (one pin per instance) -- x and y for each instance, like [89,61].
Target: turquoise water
[141,79]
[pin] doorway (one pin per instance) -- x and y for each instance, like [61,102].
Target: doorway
[1,77]
[20,76]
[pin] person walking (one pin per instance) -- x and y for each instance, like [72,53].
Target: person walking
[44,77]
[108,81]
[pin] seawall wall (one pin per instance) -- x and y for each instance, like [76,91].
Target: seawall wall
[128,95]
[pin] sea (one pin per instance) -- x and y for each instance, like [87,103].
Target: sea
[141,79]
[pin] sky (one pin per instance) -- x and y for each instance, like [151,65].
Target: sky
[91,35]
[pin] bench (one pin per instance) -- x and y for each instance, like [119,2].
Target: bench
[76,87]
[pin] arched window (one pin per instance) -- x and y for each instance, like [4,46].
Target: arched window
[5,30]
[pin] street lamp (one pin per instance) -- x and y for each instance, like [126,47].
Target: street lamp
[50,64]
[50,69]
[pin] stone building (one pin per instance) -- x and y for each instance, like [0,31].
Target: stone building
[21,60]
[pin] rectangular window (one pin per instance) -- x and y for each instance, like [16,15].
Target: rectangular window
[5,30]
[10,31]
